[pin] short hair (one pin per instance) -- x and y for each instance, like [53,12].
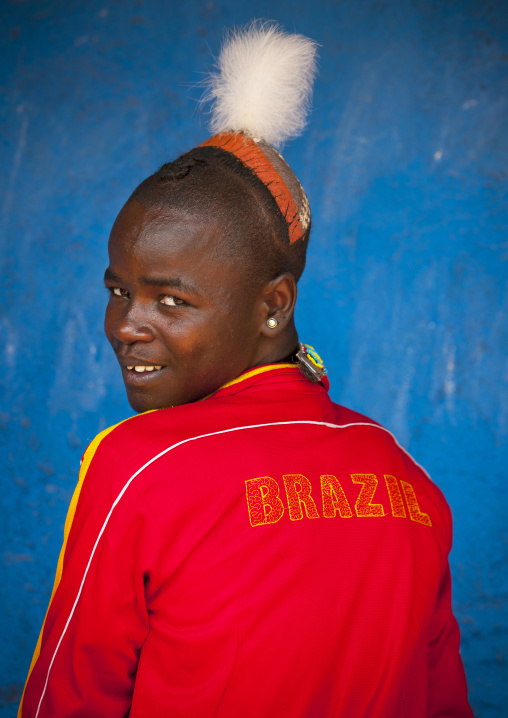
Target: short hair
[211,181]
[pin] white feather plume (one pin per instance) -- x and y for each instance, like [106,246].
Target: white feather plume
[264,83]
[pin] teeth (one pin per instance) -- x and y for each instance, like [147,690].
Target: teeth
[141,369]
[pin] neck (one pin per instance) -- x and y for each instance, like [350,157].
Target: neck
[278,348]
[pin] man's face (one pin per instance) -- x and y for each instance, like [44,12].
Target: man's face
[181,320]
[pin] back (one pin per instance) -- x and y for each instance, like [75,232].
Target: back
[277,555]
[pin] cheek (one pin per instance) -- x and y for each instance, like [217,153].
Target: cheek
[242,326]
[198,344]
[109,322]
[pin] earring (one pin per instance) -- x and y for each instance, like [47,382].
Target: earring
[272,322]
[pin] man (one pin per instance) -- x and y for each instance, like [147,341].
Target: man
[242,547]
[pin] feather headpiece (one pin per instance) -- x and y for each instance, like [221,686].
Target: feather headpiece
[263,86]
[261,97]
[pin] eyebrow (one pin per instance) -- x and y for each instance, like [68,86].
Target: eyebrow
[175,282]
[110,276]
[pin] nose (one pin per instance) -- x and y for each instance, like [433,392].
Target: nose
[134,325]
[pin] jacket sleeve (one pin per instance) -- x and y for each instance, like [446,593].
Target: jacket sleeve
[447,688]
[86,658]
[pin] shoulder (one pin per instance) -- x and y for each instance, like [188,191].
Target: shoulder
[371,438]
[120,453]
[346,416]
[138,439]
[360,423]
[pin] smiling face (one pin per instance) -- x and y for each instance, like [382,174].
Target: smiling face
[181,318]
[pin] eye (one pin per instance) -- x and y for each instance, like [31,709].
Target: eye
[170,301]
[118,291]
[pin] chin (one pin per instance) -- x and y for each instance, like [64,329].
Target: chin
[142,401]
[140,404]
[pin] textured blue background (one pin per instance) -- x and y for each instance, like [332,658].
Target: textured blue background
[405,163]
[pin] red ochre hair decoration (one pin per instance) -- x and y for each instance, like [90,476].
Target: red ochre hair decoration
[248,152]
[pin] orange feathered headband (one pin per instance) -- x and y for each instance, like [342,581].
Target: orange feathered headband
[246,149]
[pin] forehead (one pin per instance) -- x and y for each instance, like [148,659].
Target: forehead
[155,241]
[160,230]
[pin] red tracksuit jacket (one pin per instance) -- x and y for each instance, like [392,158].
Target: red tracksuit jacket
[261,553]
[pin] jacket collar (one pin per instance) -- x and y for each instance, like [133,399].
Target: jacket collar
[260,374]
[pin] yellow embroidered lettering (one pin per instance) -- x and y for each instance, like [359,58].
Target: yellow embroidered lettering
[334,498]
[263,502]
[395,496]
[363,506]
[298,488]
[412,504]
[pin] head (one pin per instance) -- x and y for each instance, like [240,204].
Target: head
[199,261]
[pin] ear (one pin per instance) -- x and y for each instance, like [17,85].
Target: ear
[279,299]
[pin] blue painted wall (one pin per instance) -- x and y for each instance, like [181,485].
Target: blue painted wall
[405,163]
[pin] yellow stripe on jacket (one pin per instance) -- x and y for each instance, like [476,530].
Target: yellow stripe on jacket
[87,459]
